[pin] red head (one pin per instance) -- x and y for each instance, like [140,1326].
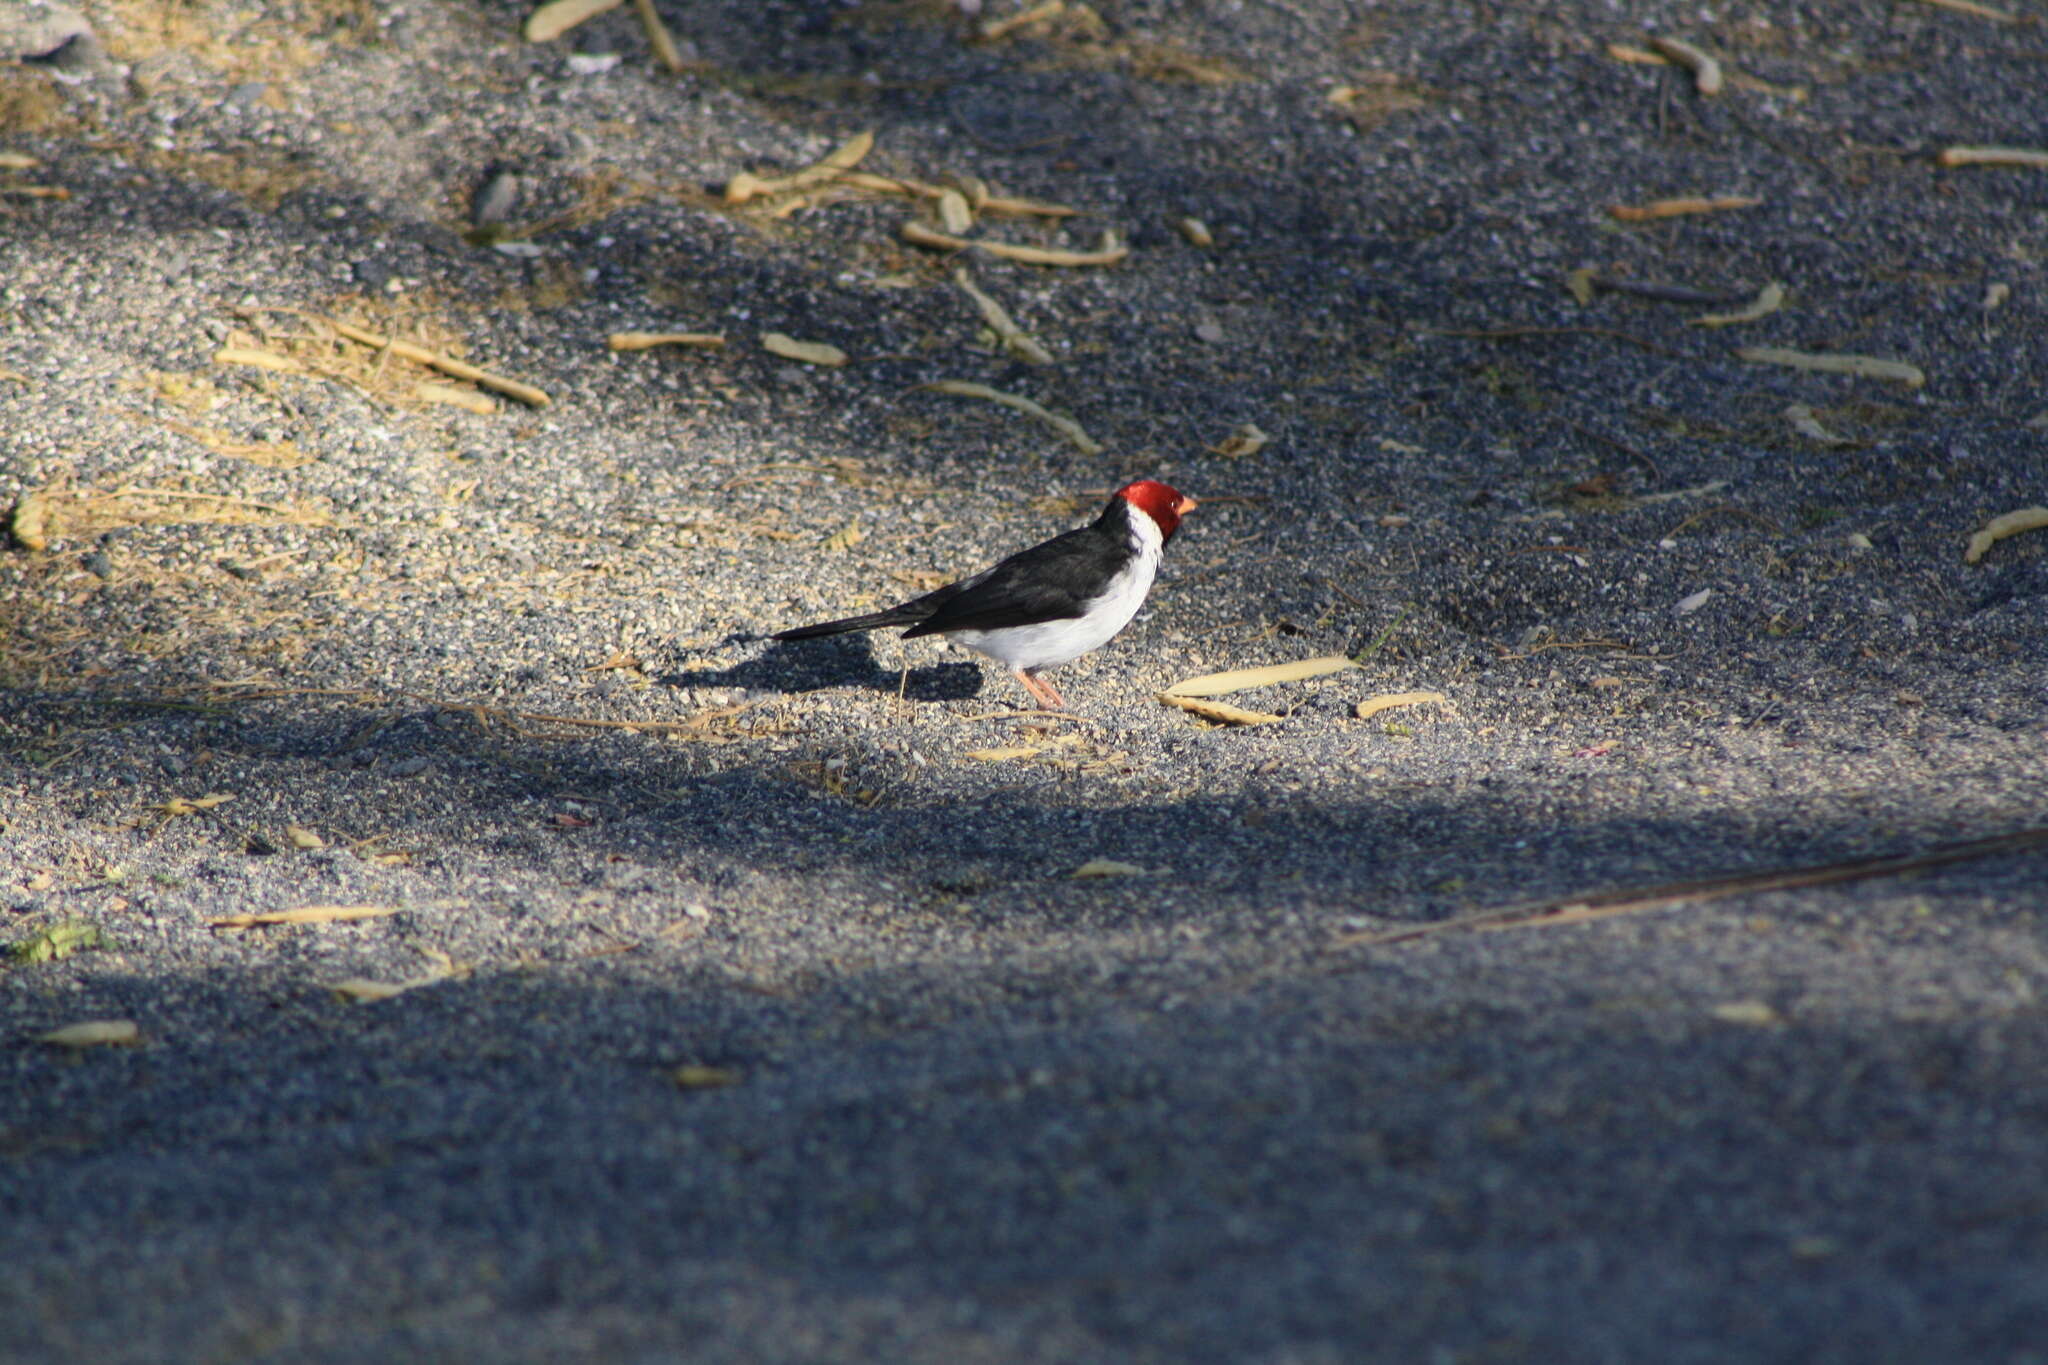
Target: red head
[1164,505]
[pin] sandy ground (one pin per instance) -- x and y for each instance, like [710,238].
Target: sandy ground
[750,1009]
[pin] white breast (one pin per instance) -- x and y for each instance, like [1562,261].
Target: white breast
[1055,642]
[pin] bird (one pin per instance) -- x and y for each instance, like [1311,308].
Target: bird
[1051,603]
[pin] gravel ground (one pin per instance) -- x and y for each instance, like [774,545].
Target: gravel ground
[756,1015]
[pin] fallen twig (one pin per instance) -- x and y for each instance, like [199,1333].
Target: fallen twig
[1993,156]
[1865,366]
[1076,435]
[1998,528]
[1768,300]
[1678,208]
[1015,339]
[1109,253]
[461,369]
[1706,71]
[1969,7]
[1606,904]
[641,341]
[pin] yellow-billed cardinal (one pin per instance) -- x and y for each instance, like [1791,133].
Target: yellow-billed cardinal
[1051,603]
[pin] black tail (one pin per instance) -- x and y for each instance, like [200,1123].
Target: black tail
[874,620]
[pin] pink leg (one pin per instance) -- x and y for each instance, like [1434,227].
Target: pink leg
[1046,694]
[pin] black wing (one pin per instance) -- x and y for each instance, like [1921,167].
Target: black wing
[1054,581]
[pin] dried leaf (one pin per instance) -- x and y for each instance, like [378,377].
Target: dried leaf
[845,538]
[641,341]
[1706,72]
[1993,156]
[469,400]
[1674,208]
[1622,52]
[30,521]
[810,352]
[298,836]
[363,989]
[1768,300]
[694,1077]
[179,805]
[1246,440]
[263,360]
[1237,680]
[1998,528]
[1000,755]
[58,942]
[93,1033]
[446,364]
[1109,253]
[845,157]
[1196,231]
[954,214]
[1107,867]
[996,29]
[552,20]
[1580,282]
[1806,424]
[1867,367]
[1387,701]
[1014,338]
[1221,712]
[307,914]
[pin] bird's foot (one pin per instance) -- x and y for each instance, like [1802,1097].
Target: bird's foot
[1044,692]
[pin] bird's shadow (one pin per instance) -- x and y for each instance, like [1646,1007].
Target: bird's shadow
[835,661]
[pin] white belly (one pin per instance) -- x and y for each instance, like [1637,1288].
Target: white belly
[1055,642]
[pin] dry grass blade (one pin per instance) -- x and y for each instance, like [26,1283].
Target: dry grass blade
[1004,754]
[461,369]
[1015,339]
[179,805]
[552,20]
[1977,11]
[1239,679]
[1998,528]
[691,1077]
[1605,904]
[31,520]
[1678,208]
[1223,713]
[1706,71]
[1863,366]
[469,400]
[1246,440]
[1388,701]
[305,914]
[641,341]
[746,186]
[810,352]
[257,357]
[996,30]
[1066,426]
[1993,156]
[1109,253]
[93,1033]
[1769,300]
[1106,867]
[697,725]
[659,37]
